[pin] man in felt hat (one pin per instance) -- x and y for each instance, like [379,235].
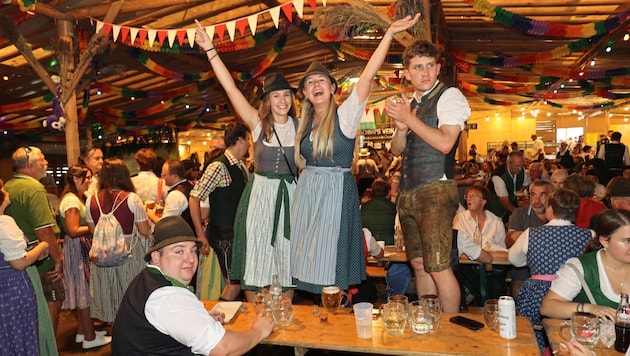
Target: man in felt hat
[367,171]
[427,134]
[160,315]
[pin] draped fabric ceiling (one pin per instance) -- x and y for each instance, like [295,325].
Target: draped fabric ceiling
[505,55]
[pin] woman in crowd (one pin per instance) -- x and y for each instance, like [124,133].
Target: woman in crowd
[589,207]
[558,177]
[603,271]
[326,244]
[479,232]
[76,247]
[18,305]
[108,284]
[544,249]
[261,232]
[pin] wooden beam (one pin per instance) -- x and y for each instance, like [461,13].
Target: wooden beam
[100,10]
[97,43]
[8,30]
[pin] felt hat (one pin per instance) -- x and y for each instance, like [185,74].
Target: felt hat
[619,188]
[273,82]
[170,230]
[317,68]
[364,152]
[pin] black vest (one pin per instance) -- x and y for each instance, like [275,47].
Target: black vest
[422,163]
[224,201]
[185,187]
[133,334]
[613,155]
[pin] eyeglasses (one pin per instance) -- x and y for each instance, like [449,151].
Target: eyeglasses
[472,196]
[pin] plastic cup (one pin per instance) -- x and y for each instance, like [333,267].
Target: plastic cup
[363,319]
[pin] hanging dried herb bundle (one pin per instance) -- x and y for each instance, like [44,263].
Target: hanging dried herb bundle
[346,20]
[411,8]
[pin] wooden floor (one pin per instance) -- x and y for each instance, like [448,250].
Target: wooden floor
[66,332]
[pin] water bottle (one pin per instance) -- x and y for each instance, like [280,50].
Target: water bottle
[622,324]
[275,290]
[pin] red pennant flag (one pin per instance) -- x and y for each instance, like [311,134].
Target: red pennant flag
[313,3]
[180,37]
[124,32]
[240,24]
[220,30]
[288,11]
[161,34]
[107,28]
[142,35]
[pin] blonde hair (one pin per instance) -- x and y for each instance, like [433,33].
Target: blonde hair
[323,135]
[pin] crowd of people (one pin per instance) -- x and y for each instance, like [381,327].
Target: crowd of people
[234,228]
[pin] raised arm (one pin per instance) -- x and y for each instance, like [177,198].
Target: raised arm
[364,85]
[243,108]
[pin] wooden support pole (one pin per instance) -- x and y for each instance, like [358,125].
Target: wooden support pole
[65,31]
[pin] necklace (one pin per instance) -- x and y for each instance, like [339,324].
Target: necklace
[612,273]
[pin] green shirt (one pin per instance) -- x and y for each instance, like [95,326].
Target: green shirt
[31,210]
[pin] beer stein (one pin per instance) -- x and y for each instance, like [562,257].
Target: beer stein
[332,297]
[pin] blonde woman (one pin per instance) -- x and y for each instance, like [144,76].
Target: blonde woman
[326,244]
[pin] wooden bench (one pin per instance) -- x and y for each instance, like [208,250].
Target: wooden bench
[375,271]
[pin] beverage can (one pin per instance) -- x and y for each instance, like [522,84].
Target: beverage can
[507,317]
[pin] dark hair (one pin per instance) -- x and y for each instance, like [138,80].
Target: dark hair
[616,136]
[87,151]
[606,223]
[234,132]
[146,158]
[420,48]
[3,195]
[565,204]
[579,184]
[79,171]
[176,167]
[380,188]
[266,116]
[114,175]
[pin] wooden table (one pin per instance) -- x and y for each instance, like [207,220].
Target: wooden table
[339,334]
[499,258]
[552,329]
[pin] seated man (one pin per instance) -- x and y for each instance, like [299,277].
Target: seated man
[159,315]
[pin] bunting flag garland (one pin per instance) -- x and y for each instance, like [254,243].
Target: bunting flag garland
[543,28]
[607,106]
[509,61]
[182,36]
[241,76]
[24,105]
